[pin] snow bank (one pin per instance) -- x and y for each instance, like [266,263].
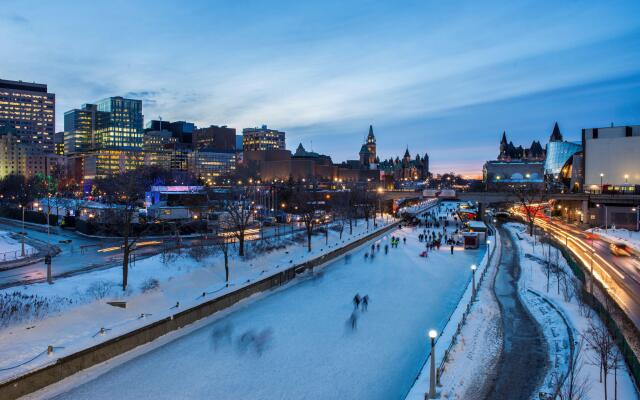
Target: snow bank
[11,249]
[563,304]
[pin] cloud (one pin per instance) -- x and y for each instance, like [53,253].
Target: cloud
[16,19]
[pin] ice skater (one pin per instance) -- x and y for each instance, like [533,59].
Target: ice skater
[365,302]
[451,249]
[261,340]
[386,249]
[221,333]
[356,301]
[353,320]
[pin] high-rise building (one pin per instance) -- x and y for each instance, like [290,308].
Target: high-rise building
[122,128]
[158,148]
[181,130]
[58,143]
[107,136]
[208,164]
[263,138]
[23,157]
[215,137]
[82,129]
[30,109]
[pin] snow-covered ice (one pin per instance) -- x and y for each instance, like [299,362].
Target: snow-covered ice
[308,347]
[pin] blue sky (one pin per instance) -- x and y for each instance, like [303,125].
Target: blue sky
[441,77]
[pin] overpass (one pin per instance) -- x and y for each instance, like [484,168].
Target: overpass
[507,197]
[400,194]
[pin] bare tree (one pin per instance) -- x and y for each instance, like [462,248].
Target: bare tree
[615,363]
[602,347]
[304,200]
[240,215]
[123,194]
[531,202]
[223,243]
[574,385]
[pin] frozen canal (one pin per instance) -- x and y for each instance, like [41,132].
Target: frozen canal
[311,352]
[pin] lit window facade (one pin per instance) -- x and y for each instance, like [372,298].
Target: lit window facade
[108,135]
[29,109]
[258,139]
[209,165]
[23,157]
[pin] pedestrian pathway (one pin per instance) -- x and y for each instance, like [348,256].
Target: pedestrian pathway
[523,361]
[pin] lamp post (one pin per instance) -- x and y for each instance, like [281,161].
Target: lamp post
[601,187]
[23,232]
[473,281]
[592,252]
[432,375]
[626,179]
[637,211]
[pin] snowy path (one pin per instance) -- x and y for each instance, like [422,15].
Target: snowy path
[311,353]
[523,359]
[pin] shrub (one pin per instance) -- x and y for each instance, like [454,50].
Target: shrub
[149,285]
[99,289]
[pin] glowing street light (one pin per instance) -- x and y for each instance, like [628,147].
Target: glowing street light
[432,376]
[473,281]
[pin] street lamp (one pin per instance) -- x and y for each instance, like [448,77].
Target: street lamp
[23,232]
[637,211]
[626,178]
[601,176]
[432,377]
[473,281]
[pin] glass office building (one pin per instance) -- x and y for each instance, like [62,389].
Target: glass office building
[124,126]
[558,153]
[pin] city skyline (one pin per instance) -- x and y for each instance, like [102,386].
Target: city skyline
[424,75]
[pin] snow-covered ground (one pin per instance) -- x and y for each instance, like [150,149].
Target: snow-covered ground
[11,249]
[631,238]
[69,313]
[305,346]
[534,278]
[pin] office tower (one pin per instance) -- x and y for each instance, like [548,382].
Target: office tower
[215,137]
[106,137]
[257,139]
[30,109]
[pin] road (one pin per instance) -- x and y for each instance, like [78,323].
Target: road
[79,254]
[620,275]
[84,253]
